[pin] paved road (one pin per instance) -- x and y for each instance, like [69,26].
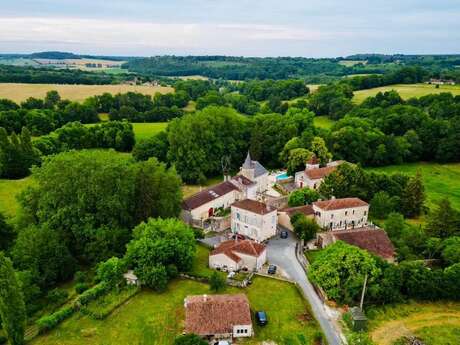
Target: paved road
[281,252]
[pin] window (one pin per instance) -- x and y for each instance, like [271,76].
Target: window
[246,331]
[346,212]
[365,212]
[332,215]
[353,211]
[238,216]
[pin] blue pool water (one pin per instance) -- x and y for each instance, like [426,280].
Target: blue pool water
[283,176]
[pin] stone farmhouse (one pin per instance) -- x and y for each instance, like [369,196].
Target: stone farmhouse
[253,219]
[341,214]
[373,240]
[313,175]
[234,255]
[218,317]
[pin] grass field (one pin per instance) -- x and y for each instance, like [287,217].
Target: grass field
[19,92]
[323,122]
[407,91]
[188,190]
[434,323]
[156,318]
[147,130]
[440,180]
[8,191]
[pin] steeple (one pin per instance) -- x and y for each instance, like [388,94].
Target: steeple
[247,162]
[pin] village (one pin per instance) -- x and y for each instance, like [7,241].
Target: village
[249,228]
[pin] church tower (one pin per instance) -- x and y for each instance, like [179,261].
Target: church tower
[247,170]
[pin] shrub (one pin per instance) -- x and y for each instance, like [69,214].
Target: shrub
[91,294]
[57,296]
[49,322]
[80,288]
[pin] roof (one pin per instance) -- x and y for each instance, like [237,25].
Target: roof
[337,204]
[306,210]
[243,180]
[216,314]
[313,160]
[250,164]
[208,195]
[254,206]
[375,241]
[231,249]
[319,173]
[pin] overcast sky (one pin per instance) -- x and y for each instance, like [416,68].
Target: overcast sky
[231,27]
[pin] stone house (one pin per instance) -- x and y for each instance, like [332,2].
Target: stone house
[341,214]
[234,255]
[313,175]
[285,214]
[255,172]
[253,219]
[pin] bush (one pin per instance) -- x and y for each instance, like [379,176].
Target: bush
[79,277]
[3,340]
[57,296]
[80,288]
[92,294]
[49,322]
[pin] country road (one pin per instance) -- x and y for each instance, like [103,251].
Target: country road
[281,252]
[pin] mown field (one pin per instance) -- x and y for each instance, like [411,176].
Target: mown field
[156,318]
[19,92]
[148,129]
[323,122]
[440,180]
[407,91]
[434,323]
[9,189]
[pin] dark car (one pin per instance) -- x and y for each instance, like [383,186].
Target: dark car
[284,234]
[238,237]
[261,318]
[271,269]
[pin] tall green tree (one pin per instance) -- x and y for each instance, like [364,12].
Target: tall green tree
[305,228]
[7,233]
[443,221]
[303,196]
[319,148]
[297,159]
[12,308]
[413,197]
[382,204]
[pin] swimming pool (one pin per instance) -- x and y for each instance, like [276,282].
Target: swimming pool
[283,176]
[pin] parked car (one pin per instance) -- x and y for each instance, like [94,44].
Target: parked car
[271,269]
[284,234]
[222,342]
[261,318]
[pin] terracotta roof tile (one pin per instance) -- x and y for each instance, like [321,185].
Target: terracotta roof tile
[306,210]
[216,314]
[254,206]
[337,204]
[208,195]
[319,173]
[231,248]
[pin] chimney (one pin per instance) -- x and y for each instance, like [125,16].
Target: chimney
[205,298]
[332,197]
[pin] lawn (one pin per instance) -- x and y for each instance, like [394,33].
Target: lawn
[188,190]
[200,264]
[434,323]
[323,122]
[440,180]
[407,90]
[148,129]
[19,92]
[8,191]
[156,318]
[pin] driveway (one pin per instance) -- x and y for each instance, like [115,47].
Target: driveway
[281,252]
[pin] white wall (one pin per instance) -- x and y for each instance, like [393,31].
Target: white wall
[240,331]
[342,218]
[253,262]
[255,226]
[302,180]
[221,260]
[202,212]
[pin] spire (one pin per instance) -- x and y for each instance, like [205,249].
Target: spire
[247,162]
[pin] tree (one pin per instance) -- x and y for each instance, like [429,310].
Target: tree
[156,146]
[413,196]
[12,308]
[319,148]
[111,271]
[52,98]
[160,248]
[382,204]
[443,221]
[216,282]
[305,228]
[340,270]
[7,233]
[451,251]
[189,339]
[297,159]
[303,196]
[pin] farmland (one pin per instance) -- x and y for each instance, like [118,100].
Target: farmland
[19,92]
[440,180]
[156,318]
[407,91]
[146,130]
[434,323]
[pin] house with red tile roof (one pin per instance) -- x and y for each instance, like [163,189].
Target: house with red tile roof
[218,317]
[341,214]
[234,255]
[374,240]
[313,175]
[253,219]
[285,214]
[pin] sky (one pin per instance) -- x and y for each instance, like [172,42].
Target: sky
[325,28]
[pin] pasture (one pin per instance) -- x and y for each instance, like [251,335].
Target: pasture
[148,129]
[9,189]
[156,318]
[406,91]
[19,92]
[440,180]
[434,323]
[323,122]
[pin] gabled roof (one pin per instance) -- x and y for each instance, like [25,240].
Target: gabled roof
[208,195]
[216,314]
[250,164]
[243,180]
[337,204]
[247,162]
[375,241]
[231,249]
[254,206]
[319,173]
[305,209]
